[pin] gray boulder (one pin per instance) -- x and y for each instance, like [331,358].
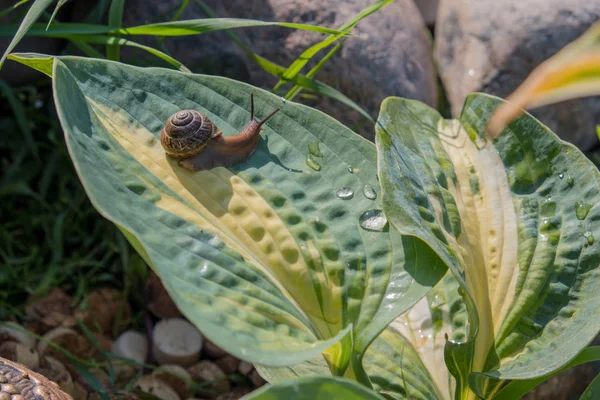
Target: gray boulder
[390,53]
[492,46]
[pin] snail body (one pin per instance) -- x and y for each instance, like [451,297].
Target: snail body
[199,145]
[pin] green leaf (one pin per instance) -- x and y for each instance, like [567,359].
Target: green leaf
[314,388]
[32,15]
[56,9]
[591,392]
[406,361]
[39,62]
[196,26]
[10,9]
[115,18]
[517,389]
[263,257]
[514,219]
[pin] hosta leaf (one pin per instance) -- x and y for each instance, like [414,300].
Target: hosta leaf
[314,388]
[263,257]
[406,361]
[514,219]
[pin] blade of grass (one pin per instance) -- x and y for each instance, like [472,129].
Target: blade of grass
[87,49]
[21,119]
[278,71]
[196,26]
[32,15]
[58,6]
[176,17]
[345,29]
[115,18]
[110,40]
[10,9]
[294,91]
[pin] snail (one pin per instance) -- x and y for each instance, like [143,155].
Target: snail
[199,145]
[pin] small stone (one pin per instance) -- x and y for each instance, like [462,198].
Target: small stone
[256,379]
[51,311]
[229,364]
[245,368]
[131,345]
[208,371]
[156,387]
[212,351]
[17,397]
[104,311]
[68,339]
[176,341]
[161,304]
[4,396]
[13,332]
[176,377]
[79,392]
[20,353]
[56,371]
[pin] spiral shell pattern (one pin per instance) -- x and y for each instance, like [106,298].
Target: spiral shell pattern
[187,133]
[20,383]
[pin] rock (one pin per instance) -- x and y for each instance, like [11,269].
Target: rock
[161,304]
[56,371]
[156,387]
[105,310]
[428,9]
[209,372]
[176,341]
[68,340]
[493,46]
[13,332]
[569,384]
[229,364]
[256,379]
[176,377]
[20,353]
[212,351]
[390,53]
[245,368]
[51,311]
[132,345]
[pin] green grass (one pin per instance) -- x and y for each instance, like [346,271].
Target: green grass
[50,235]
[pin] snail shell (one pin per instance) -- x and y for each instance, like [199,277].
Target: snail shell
[187,133]
[199,145]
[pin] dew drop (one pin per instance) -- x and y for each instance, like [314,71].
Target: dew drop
[350,169]
[345,193]
[311,162]
[582,209]
[373,220]
[590,237]
[369,192]
[313,148]
[561,175]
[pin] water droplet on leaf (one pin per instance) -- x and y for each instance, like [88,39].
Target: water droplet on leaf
[561,175]
[313,148]
[373,220]
[582,209]
[369,192]
[350,169]
[311,162]
[345,193]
